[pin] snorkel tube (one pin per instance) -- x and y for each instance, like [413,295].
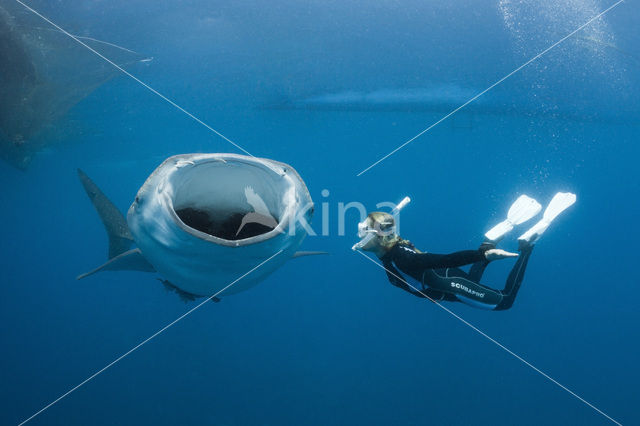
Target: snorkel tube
[400,206]
[367,233]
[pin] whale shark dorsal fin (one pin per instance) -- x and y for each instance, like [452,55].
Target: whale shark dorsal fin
[307,253]
[131,260]
[115,224]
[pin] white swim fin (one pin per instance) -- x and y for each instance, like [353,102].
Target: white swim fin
[523,209]
[560,202]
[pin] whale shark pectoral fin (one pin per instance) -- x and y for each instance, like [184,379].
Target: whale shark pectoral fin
[115,224]
[131,260]
[307,253]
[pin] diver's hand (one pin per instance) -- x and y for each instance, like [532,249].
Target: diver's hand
[495,254]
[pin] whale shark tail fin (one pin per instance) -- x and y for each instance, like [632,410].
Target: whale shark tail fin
[115,224]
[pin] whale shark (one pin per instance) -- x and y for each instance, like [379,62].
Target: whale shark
[203,220]
[44,74]
[444,98]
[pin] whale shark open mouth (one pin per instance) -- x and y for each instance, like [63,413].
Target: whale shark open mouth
[203,220]
[226,227]
[231,200]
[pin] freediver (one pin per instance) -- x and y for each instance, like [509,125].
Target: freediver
[439,276]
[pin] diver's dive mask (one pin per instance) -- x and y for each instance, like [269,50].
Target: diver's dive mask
[378,224]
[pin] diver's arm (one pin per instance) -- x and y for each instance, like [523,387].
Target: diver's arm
[407,258]
[426,293]
[397,280]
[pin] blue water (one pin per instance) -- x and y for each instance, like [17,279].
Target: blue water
[326,340]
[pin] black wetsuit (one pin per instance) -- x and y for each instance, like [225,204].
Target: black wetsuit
[441,279]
